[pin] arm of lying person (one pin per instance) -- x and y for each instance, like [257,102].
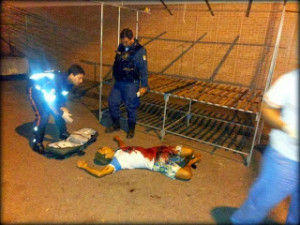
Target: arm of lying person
[97,173]
[121,144]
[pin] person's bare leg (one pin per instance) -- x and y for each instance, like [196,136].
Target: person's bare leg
[186,152]
[189,153]
[121,143]
[185,173]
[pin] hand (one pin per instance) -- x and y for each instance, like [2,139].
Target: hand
[142,91]
[67,117]
[64,109]
[117,138]
[82,164]
[290,131]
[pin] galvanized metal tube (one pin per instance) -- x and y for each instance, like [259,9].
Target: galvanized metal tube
[101,63]
[119,25]
[175,122]
[260,132]
[121,6]
[253,141]
[274,57]
[26,27]
[137,25]
[166,97]
[270,76]
[189,114]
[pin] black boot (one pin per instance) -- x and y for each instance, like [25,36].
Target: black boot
[113,128]
[130,133]
[39,148]
[64,135]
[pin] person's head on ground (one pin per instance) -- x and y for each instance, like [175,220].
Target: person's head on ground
[127,37]
[75,74]
[104,155]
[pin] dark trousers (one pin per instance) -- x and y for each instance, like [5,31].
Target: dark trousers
[123,91]
[42,112]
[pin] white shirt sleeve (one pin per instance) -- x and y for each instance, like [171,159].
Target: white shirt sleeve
[276,96]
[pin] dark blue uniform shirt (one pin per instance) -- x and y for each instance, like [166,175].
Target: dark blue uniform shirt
[140,61]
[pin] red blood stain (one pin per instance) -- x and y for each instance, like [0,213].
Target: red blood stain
[153,153]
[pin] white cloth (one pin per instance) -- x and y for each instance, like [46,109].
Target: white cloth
[133,160]
[283,95]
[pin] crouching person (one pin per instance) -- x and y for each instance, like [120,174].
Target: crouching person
[163,159]
[48,93]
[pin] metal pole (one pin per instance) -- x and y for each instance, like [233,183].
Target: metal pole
[163,132]
[270,75]
[26,27]
[260,132]
[137,25]
[273,62]
[101,64]
[253,141]
[189,114]
[119,24]
[121,6]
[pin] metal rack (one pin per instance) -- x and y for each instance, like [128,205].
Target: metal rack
[194,110]
[236,131]
[219,115]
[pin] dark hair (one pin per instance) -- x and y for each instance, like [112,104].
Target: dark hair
[75,69]
[126,33]
[100,159]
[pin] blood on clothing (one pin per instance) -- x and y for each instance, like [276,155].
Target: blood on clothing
[153,153]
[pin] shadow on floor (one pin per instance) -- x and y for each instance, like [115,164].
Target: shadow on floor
[26,130]
[222,215]
[106,121]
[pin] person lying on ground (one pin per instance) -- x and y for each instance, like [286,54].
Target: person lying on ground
[173,161]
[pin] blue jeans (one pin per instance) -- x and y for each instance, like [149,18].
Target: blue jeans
[278,179]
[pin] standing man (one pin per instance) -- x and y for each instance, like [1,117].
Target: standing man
[279,173]
[48,94]
[131,80]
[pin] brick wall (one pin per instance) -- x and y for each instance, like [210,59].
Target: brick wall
[247,62]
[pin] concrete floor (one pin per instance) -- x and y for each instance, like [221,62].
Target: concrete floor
[36,189]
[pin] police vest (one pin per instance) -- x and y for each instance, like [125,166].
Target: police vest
[124,68]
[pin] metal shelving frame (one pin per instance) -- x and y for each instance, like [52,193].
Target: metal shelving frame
[187,115]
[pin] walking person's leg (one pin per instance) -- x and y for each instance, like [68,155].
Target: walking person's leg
[276,181]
